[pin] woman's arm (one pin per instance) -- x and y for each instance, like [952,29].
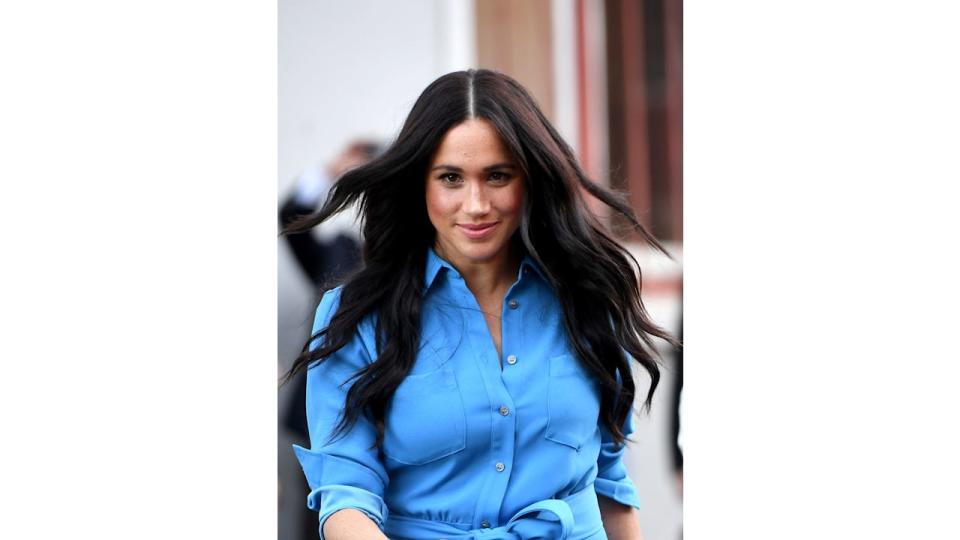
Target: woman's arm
[343,472]
[351,524]
[619,520]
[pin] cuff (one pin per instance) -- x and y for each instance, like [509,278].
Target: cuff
[336,498]
[337,483]
[623,491]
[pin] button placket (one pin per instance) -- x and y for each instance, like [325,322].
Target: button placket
[503,431]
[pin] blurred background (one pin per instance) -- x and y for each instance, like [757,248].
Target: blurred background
[608,74]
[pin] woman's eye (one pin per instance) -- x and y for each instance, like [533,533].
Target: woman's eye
[449,178]
[499,177]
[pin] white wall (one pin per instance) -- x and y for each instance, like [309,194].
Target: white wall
[355,68]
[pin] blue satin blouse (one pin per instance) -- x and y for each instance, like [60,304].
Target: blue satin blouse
[474,447]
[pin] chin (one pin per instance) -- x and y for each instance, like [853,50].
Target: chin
[480,252]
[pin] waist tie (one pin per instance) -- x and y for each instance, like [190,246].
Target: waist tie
[549,519]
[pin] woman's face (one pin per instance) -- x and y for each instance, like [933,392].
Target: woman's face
[474,194]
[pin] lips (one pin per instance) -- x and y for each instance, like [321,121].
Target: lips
[477,231]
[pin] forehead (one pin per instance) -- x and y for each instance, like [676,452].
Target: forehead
[472,141]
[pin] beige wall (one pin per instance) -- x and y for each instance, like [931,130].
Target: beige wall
[516,38]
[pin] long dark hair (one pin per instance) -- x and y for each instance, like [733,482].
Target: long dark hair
[596,280]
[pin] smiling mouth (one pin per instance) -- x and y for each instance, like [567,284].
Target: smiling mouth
[474,231]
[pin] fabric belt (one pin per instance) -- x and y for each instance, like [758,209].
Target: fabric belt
[574,517]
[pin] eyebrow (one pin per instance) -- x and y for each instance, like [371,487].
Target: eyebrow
[485,169]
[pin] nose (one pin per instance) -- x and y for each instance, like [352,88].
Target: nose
[478,202]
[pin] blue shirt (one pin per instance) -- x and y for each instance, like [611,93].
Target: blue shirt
[473,448]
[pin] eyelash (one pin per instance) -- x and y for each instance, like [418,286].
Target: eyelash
[449,178]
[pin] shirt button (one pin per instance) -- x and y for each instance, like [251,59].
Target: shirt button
[511,359]
[484,524]
[500,467]
[504,410]
[513,304]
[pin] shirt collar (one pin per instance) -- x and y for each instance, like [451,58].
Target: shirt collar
[435,264]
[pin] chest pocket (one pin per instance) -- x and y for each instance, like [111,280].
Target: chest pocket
[425,420]
[573,403]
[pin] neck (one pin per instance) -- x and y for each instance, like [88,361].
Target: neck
[489,277]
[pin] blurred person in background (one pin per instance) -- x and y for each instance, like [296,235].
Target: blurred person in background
[676,421]
[474,376]
[336,250]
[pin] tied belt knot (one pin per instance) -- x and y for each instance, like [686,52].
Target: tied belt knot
[549,519]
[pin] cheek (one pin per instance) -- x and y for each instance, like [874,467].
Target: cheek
[512,201]
[440,204]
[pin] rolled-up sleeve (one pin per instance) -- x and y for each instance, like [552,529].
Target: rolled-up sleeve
[612,480]
[345,472]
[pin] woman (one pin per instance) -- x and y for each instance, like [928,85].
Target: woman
[473,379]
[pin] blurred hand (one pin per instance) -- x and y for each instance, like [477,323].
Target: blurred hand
[355,155]
[313,184]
